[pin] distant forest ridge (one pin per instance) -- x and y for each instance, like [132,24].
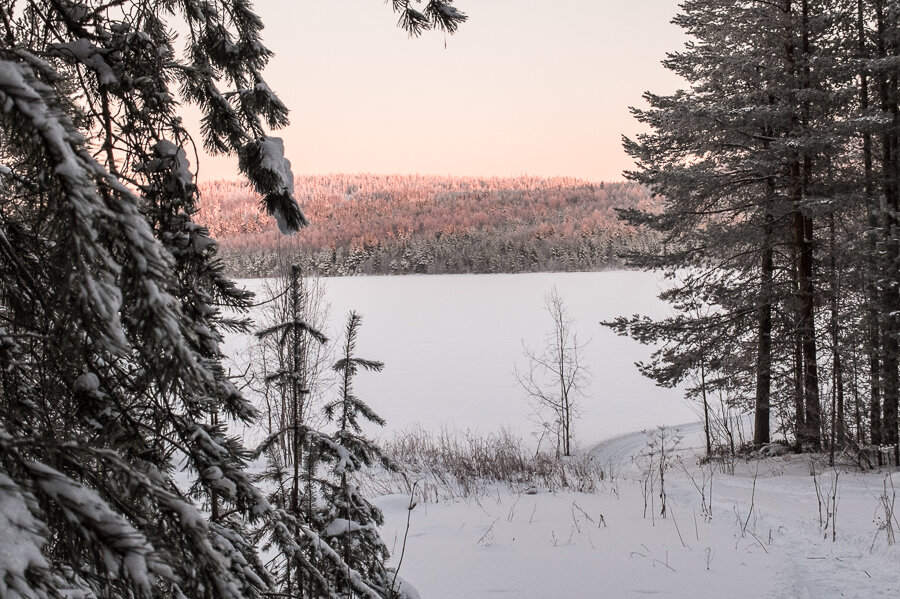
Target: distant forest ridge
[398,224]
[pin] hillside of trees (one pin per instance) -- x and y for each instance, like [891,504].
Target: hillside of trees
[391,224]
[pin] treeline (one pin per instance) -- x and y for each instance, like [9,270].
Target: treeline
[780,169]
[390,224]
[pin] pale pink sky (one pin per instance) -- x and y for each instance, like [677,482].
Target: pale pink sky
[538,87]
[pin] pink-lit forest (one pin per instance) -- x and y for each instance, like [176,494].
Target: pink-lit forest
[392,224]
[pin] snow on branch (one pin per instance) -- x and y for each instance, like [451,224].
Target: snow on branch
[264,164]
[295,325]
[21,543]
[437,14]
[28,106]
[125,550]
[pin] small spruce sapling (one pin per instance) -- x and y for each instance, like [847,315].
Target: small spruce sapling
[291,338]
[353,519]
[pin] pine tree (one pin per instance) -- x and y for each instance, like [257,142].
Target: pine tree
[883,64]
[743,160]
[715,369]
[779,167]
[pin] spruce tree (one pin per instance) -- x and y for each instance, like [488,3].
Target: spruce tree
[351,520]
[327,543]
[95,168]
[288,444]
[117,475]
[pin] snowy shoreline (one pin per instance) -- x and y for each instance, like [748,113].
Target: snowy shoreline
[761,539]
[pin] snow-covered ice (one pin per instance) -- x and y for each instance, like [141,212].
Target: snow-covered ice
[450,345]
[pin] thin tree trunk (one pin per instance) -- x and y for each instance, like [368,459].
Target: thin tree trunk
[705,402]
[857,411]
[295,398]
[891,204]
[872,210]
[842,422]
[213,497]
[803,238]
[296,414]
[838,435]
[809,427]
[799,407]
[761,428]
[808,336]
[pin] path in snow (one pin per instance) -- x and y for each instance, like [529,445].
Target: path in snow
[803,561]
[619,452]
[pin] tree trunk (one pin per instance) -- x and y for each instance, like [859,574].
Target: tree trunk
[799,407]
[705,403]
[296,415]
[838,435]
[890,206]
[761,429]
[803,239]
[873,324]
[810,430]
[813,420]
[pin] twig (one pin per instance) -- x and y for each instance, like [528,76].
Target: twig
[512,510]
[656,561]
[678,530]
[490,530]
[412,504]
[586,515]
[752,501]
[758,540]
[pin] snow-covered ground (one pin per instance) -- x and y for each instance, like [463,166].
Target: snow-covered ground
[450,344]
[757,543]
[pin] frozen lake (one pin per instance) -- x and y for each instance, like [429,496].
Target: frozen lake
[450,344]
